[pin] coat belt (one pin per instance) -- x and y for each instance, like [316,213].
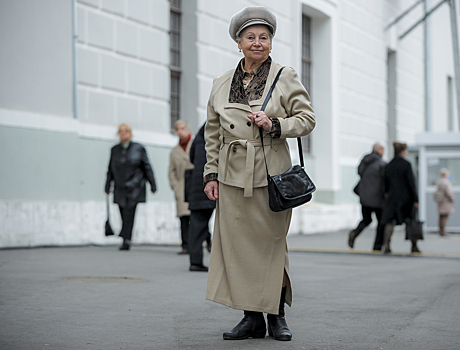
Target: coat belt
[250,159]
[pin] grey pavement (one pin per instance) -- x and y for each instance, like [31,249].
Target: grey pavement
[100,298]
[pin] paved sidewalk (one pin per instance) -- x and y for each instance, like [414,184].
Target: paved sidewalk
[101,298]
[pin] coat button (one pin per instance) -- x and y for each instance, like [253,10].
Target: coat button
[249,123]
[234,149]
[232,126]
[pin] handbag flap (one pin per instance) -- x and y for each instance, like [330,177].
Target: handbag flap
[294,183]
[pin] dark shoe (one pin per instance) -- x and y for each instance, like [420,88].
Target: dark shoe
[183,252]
[277,325]
[251,326]
[201,268]
[278,328]
[124,246]
[351,238]
[415,249]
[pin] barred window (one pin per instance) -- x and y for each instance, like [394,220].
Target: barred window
[175,58]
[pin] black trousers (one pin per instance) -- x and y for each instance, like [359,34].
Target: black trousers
[184,230]
[127,218]
[199,232]
[366,221]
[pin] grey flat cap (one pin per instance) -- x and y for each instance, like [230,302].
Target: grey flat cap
[249,16]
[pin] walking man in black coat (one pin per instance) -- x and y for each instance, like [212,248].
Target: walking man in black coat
[370,190]
[400,195]
[200,206]
[129,168]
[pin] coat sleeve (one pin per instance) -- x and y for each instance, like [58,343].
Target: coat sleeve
[296,102]
[212,138]
[411,182]
[448,191]
[192,151]
[172,173]
[147,169]
[109,179]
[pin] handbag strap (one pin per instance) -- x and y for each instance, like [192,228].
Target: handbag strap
[299,141]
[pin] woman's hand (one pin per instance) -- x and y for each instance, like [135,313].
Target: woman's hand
[212,190]
[261,120]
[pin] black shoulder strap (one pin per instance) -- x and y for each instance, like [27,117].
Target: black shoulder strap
[299,141]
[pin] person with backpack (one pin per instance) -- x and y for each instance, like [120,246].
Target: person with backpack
[370,191]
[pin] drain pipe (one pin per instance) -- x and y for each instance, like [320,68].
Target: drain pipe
[74,59]
[428,96]
[454,27]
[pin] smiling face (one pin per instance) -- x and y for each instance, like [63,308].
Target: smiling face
[256,44]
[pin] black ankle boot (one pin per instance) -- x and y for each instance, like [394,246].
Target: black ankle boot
[251,326]
[277,325]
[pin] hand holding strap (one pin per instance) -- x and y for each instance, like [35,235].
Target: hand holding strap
[299,141]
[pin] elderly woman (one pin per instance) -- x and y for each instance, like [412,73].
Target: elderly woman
[249,267]
[129,168]
[444,198]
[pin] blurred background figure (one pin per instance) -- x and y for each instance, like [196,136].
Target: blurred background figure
[179,160]
[444,198]
[129,167]
[400,195]
[370,191]
[201,207]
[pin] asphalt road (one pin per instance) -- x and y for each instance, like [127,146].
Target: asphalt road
[101,298]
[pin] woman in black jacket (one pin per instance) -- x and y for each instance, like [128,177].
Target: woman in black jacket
[400,195]
[129,167]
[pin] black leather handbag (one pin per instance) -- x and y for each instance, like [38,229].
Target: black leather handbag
[293,187]
[414,227]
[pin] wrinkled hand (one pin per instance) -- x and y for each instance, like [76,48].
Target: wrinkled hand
[261,120]
[212,190]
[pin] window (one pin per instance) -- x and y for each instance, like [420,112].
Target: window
[306,69]
[175,58]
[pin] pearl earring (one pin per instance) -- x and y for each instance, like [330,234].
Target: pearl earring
[240,50]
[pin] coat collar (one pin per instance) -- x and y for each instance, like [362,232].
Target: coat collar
[253,105]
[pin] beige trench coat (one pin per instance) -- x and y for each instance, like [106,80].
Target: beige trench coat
[179,160]
[249,249]
[446,206]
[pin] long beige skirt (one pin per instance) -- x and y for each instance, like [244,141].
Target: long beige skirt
[249,252]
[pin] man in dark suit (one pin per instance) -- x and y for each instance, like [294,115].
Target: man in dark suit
[370,191]
[400,195]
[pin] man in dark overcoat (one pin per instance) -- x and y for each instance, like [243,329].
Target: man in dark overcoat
[200,206]
[129,168]
[400,194]
[370,190]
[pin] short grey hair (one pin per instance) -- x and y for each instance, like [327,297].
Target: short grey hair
[378,145]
